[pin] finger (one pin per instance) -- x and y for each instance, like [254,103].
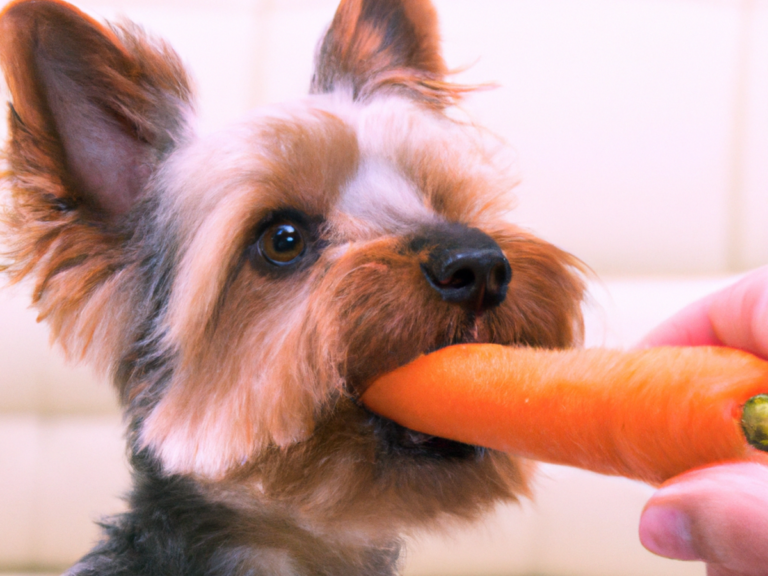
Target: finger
[717,570]
[736,316]
[689,327]
[718,514]
[739,314]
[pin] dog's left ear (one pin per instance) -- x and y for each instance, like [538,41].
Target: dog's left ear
[94,108]
[372,44]
[94,112]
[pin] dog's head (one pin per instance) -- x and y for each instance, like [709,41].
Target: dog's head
[244,286]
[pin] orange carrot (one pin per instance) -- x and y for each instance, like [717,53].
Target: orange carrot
[648,415]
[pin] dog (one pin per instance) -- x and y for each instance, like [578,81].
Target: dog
[241,288]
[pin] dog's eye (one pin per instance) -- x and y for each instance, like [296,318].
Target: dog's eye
[282,244]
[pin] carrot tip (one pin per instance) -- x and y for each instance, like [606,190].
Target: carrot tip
[754,421]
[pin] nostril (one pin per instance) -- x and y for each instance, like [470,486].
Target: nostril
[462,278]
[499,277]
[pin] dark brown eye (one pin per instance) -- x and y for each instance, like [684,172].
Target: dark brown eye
[281,244]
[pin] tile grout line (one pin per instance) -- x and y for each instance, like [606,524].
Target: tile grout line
[735,240]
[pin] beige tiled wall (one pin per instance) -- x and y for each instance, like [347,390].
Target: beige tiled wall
[622,113]
[750,203]
[642,132]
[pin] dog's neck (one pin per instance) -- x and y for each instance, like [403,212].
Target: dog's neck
[173,528]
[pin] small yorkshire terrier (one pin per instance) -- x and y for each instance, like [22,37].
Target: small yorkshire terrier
[242,288]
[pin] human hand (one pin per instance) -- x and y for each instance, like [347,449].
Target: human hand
[736,316]
[717,514]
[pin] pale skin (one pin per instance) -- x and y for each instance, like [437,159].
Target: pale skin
[718,514]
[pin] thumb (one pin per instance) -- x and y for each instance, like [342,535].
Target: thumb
[717,514]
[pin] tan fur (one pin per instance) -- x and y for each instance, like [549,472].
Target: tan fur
[333,496]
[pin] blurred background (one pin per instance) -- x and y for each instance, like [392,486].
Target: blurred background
[641,128]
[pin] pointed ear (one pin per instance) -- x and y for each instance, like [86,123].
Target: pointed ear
[93,108]
[373,43]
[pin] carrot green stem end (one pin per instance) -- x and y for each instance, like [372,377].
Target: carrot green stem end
[754,421]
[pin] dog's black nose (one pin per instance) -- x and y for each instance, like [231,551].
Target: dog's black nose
[466,267]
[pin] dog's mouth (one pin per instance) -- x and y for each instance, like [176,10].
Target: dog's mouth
[398,440]
[471,334]
[376,355]
[366,363]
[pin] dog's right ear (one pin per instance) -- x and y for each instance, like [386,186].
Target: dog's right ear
[93,108]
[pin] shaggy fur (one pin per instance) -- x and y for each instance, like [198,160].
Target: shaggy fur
[165,258]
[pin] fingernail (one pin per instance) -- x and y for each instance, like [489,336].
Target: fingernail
[667,532]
